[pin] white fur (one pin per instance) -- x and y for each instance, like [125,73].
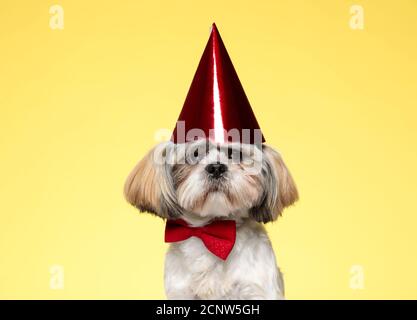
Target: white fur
[250,271]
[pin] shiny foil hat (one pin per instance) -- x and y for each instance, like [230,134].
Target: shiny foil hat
[216,106]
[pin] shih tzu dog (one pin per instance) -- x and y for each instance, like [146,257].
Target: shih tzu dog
[215,183]
[201,183]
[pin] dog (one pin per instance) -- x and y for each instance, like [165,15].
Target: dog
[201,182]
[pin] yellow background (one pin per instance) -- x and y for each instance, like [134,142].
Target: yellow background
[80,106]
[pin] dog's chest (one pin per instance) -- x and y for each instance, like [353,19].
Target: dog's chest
[249,272]
[209,274]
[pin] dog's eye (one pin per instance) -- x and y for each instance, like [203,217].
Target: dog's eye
[234,154]
[195,155]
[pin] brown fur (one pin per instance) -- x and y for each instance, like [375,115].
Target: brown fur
[141,187]
[287,190]
[180,173]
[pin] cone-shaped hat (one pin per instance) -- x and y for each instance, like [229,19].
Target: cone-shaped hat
[216,106]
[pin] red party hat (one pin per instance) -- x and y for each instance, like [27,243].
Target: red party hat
[216,106]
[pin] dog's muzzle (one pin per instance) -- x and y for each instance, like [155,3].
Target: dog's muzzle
[216,170]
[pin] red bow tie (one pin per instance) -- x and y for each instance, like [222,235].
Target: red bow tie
[218,237]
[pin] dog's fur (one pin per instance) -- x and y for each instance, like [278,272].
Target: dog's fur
[171,182]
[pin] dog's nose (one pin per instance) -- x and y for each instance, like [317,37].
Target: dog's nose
[216,169]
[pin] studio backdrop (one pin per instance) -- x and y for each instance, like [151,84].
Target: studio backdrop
[88,87]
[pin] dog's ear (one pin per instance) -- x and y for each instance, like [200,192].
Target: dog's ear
[287,190]
[280,190]
[149,186]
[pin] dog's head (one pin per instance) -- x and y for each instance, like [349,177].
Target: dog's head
[208,180]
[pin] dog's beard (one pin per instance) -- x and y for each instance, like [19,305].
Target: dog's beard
[232,194]
[195,190]
[217,185]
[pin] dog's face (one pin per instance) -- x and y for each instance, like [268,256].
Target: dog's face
[208,180]
[214,180]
